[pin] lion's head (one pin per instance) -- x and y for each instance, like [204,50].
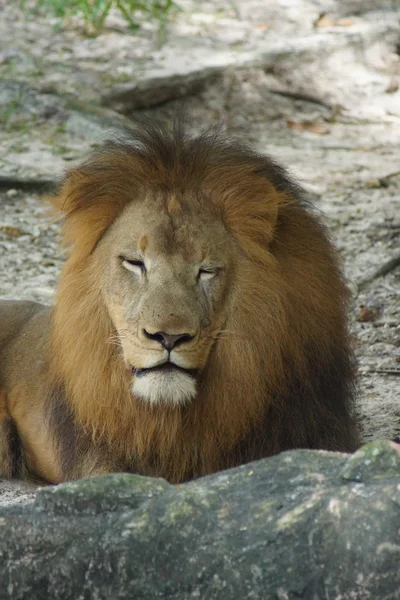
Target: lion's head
[167,268]
[199,291]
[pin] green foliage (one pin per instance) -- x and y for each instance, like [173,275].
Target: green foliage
[95,12]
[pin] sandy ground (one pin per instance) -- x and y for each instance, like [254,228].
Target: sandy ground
[342,144]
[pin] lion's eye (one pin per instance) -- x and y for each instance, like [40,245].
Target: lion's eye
[135,265]
[206,273]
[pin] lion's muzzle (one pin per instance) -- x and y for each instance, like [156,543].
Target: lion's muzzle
[165,384]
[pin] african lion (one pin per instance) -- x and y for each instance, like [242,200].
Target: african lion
[199,320]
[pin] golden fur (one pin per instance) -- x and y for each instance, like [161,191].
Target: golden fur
[269,344]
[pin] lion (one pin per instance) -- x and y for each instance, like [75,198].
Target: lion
[199,320]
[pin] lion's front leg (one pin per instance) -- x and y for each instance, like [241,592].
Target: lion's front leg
[42,440]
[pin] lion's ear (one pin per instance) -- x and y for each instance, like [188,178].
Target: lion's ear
[253,215]
[89,205]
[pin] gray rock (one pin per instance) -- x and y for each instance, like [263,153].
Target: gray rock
[52,131]
[160,86]
[303,524]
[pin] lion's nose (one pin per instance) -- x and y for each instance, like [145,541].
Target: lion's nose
[168,340]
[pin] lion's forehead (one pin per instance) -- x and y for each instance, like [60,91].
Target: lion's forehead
[151,229]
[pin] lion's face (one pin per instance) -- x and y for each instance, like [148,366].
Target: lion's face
[166,271]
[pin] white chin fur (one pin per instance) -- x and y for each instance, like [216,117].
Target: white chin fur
[174,388]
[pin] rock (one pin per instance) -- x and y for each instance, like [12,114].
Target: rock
[158,86]
[186,70]
[373,461]
[303,524]
[51,130]
[16,492]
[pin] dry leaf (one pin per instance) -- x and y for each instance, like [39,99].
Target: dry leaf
[324,21]
[368,313]
[373,184]
[11,231]
[318,128]
[262,26]
[393,86]
[345,22]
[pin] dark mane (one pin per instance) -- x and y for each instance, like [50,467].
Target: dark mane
[169,149]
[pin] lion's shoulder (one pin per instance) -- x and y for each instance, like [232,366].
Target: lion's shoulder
[14,314]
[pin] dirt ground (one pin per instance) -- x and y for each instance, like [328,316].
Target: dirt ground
[329,110]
